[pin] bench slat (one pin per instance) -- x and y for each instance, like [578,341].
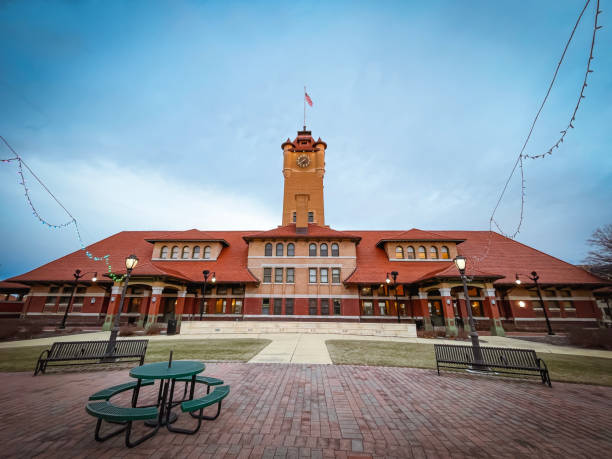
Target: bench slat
[214,397]
[110,412]
[107,393]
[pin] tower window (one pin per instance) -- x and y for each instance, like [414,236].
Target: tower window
[294,217]
[310,217]
[268,250]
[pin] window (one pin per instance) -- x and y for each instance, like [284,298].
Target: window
[279,250]
[324,306]
[312,306]
[335,275]
[567,299]
[477,309]
[382,306]
[294,217]
[238,290]
[422,253]
[267,275]
[222,290]
[237,306]
[366,291]
[290,250]
[290,276]
[433,252]
[278,306]
[207,252]
[278,275]
[289,306]
[265,306]
[410,252]
[174,253]
[312,275]
[399,252]
[310,217]
[268,252]
[51,299]
[196,252]
[323,250]
[324,274]
[312,250]
[164,252]
[444,253]
[368,309]
[335,250]
[337,308]
[185,252]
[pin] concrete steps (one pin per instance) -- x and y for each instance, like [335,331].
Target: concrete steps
[261,327]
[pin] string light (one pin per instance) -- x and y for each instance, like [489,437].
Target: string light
[519,161]
[22,181]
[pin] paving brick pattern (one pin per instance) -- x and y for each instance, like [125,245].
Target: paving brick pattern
[292,411]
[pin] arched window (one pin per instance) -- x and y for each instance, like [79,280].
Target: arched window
[433,252]
[196,252]
[164,252]
[312,250]
[279,249]
[422,252]
[268,252]
[185,252]
[410,252]
[444,253]
[290,250]
[399,252]
[174,253]
[323,250]
[207,252]
[335,250]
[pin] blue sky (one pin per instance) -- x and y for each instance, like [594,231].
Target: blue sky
[170,115]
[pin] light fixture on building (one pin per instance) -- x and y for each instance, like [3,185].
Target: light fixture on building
[518,280]
[214,279]
[460,262]
[521,304]
[95,277]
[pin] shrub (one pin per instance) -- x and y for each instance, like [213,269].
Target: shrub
[129,330]
[426,334]
[19,329]
[154,329]
[600,338]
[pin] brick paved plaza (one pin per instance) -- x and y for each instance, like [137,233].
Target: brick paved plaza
[279,410]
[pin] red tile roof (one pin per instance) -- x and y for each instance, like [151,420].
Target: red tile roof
[12,286]
[314,232]
[192,235]
[417,235]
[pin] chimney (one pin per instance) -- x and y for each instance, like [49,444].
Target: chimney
[301,214]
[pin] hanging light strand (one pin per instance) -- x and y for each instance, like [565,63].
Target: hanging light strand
[22,181]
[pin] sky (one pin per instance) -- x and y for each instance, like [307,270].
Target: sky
[143,115]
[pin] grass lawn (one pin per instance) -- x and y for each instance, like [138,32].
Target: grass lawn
[24,358]
[562,367]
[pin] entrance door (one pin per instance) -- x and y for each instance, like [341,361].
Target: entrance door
[168,309]
[436,313]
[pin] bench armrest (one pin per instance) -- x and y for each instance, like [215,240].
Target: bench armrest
[40,362]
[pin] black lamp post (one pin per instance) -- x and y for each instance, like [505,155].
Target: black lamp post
[130,264]
[206,273]
[77,275]
[394,275]
[460,263]
[534,277]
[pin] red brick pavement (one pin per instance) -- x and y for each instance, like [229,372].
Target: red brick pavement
[277,410]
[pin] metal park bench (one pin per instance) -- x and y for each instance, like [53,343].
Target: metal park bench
[499,359]
[83,352]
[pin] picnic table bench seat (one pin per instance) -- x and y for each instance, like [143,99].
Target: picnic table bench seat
[111,413]
[501,359]
[109,392]
[190,406]
[209,381]
[83,352]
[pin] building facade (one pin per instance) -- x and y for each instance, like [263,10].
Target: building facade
[305,270]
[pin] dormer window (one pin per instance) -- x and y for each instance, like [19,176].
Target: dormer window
[279,249]
[290,249]
[312,250]
[335,250]
[268,250]
[185,253]
[422,253]
[444,253]
[410,252]
[323,250]
[196,252]
[175,252]
[399,252]
[164,252]
[433,253]
[207,252]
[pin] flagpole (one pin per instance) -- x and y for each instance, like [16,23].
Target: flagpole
[304,107]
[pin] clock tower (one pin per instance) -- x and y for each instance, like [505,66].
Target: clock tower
[303,168]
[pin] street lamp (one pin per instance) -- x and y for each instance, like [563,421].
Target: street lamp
[130,264]
[77,275]
[534,277]
[460,263]
[388,281]
[206,273]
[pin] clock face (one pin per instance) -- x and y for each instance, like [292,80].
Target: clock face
[303,161]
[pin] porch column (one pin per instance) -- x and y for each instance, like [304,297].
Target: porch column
[425,311]
[496,326]
[113,307]
[144,307]
[26,305]
[463,312]
[156,293]
[449,312]
[178,309]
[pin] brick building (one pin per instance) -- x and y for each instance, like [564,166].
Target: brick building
[305,270]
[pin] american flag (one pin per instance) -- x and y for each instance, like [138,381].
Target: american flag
[308,99]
